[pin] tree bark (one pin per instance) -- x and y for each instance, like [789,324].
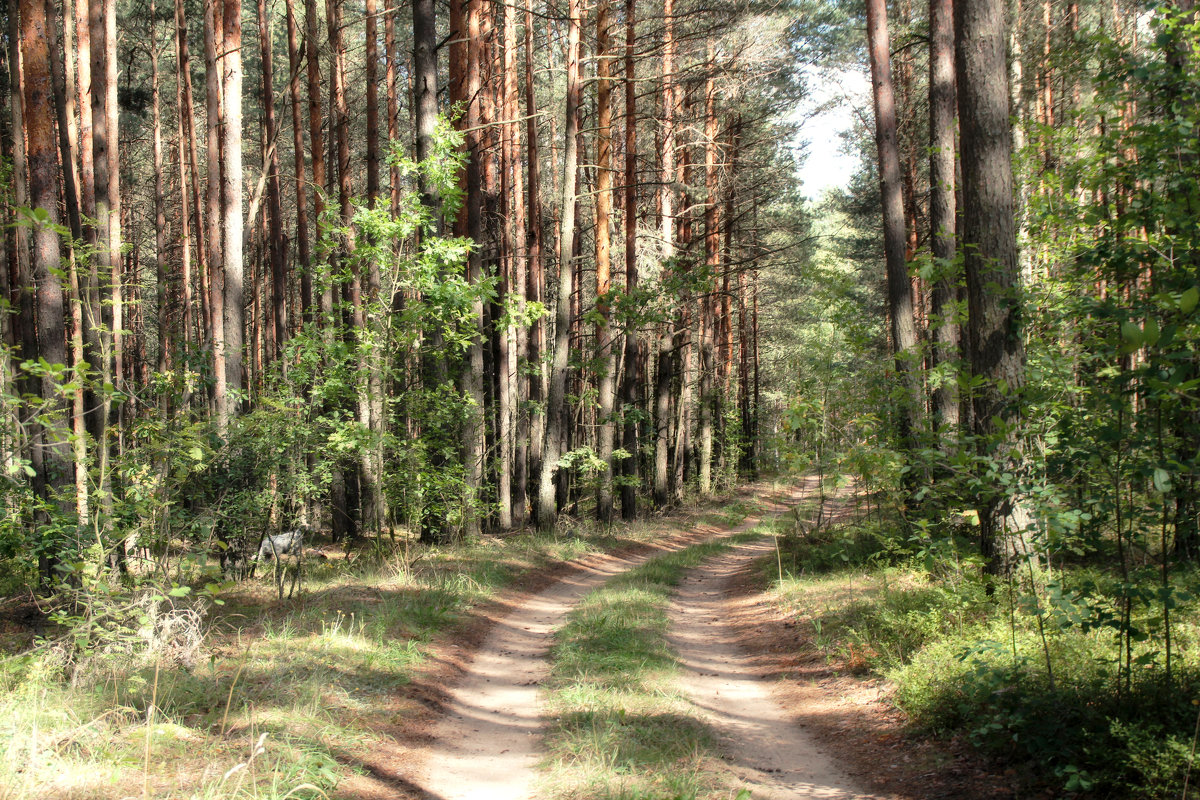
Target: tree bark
[605,354]
[629,440]
[942,209]
[303,251]
[900,303]
[666,350]
[213,38]
[231,207]
[277,257]
[709,402]
[50,434]
[555,416]
[990,250]
[535,280]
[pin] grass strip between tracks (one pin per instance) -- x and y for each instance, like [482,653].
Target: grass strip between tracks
[617,728]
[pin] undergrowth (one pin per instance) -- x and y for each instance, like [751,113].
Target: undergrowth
[274,699]
[967,658]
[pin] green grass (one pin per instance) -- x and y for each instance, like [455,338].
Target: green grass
[971,664]
[316,675]
[617,727]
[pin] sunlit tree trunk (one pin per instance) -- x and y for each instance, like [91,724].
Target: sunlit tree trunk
[160,211]
[213,39]
[712,256]
[107,259]
[556,401]
[231,206]
[667,196]
[518,233]
[50,433]
[62,74]
[605,355]
[472,376]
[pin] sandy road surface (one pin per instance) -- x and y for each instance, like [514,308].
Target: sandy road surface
[486,745]
[766,750]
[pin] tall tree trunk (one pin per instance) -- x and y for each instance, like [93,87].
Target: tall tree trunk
[316,133]
[666,347]
[472,377]
[518,231]
[535,280]
[629,440]
[555,417]
[275,248]
[62,73]
[393,103]
[372,69]
[709,402]
[371,356]
[343,492]
[107,258]
[900,302]
[185,225]
[160,212]
[187,126]
[425,111]
[112,122]
[50,434]
[605,354]
[231,205]
[213,39]
[303,252]
[990,250]
[942,208]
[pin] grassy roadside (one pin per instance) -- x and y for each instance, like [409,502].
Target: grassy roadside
[260,699]
[1045,703]
[617,727]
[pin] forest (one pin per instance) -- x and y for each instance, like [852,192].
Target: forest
[435,298]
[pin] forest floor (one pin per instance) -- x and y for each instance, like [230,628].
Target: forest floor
[654,660]
[789,721]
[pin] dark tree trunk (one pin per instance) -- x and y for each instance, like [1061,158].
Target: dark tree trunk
[556,421]
[900,304]
[989,245]
[942,209]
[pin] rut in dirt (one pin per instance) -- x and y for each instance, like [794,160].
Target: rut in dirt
[765,749]
[487,744]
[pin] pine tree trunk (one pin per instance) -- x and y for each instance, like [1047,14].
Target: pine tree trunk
[989,246]
[942,209]
[50,434]
[303,252]
[629,440]
[900,303]
[605,355]
[276,256]
[519,232]
[472,377]
[231,205]
[556,421]
[535,286]
[213,39]
[709,402]
[666,348]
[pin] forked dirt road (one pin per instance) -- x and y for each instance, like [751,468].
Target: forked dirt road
[486,745]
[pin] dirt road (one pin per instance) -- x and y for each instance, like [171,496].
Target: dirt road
[486,745]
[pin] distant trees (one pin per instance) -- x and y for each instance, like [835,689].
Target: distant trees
[222,297]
